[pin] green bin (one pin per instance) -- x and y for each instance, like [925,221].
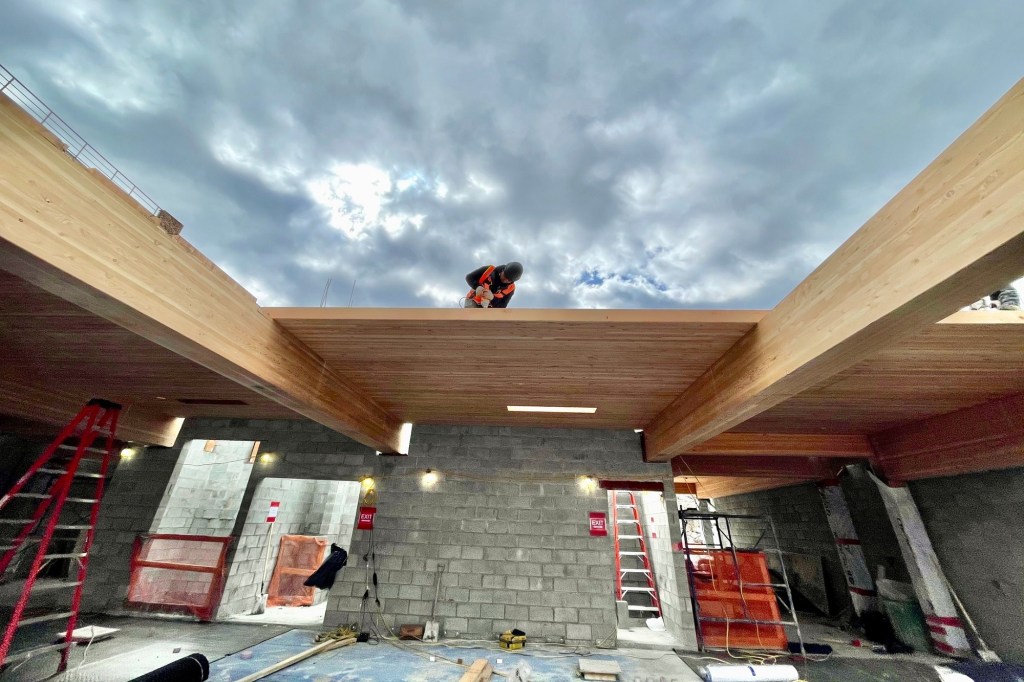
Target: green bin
[904,613]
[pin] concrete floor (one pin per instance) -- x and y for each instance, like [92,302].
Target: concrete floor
[410,662]
[643,637]
[310,617]
[142,645]
[236,650]
[847,663]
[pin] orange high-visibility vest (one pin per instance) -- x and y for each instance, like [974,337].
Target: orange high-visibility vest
[484,281]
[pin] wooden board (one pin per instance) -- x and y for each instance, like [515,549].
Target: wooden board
[712,487]
[480,671]
[953,234]
[466,366]
[786,445]
[764,466]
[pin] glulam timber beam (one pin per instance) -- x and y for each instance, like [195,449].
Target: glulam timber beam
[714,487]
[39,405]
[808,468]
[980,438]
[72,235]
[950,236]
[785,445]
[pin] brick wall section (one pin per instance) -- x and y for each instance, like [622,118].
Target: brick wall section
[801,526]
[129,508]
[302,449]
[511,526]
[313,508]
[974,522]
[669,566]
[508,520]
[207,489]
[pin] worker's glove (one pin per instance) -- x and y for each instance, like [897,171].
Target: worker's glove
[480,291]
[488,294]
[485,303]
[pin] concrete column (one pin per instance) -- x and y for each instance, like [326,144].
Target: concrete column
[851,554]
[930,585]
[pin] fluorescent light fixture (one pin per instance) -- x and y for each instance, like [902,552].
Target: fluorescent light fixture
[541,408]
[404,437]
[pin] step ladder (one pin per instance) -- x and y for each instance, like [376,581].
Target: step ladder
[631,558]
[53,486]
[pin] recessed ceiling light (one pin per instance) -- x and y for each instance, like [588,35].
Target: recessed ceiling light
[540,408]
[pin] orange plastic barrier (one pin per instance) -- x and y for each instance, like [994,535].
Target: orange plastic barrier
[720,598]
[178,573]
[299,556]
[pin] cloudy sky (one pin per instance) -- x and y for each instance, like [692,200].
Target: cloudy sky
[630,154]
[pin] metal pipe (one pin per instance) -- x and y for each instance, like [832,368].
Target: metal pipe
[789,592]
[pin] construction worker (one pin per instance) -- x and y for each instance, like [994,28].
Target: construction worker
[492,286]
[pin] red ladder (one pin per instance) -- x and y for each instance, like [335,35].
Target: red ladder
[637,554]
[57,472]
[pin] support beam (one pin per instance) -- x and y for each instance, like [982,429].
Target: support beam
[807,468]
[69,234]
[785,445]
[953,234]
[714,487]
[980,438]
[57,408]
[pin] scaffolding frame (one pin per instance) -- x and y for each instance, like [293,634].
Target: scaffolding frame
[725,543]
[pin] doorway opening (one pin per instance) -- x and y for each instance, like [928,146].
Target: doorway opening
[274,557]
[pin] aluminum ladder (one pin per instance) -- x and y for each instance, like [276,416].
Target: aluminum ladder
[631,557]
[50,485]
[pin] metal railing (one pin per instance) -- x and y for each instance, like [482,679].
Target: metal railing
[75,144]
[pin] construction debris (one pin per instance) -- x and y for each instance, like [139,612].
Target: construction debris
[328,645]
[480,671]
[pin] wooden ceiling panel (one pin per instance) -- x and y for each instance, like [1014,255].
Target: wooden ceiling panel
[467,366]
[48,342]
[967,359]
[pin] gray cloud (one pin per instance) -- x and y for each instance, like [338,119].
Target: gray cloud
[631,155]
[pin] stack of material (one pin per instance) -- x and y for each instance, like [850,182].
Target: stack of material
[599,670]
[512,639]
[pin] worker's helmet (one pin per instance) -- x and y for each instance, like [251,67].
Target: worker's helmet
[513,271]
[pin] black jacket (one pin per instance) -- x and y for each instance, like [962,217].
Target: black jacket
[502,292]
[323,577]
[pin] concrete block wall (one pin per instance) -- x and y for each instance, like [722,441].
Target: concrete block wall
[307,508]
[669,566]
[801,525]
[509,523]
[129,508]
[17,454]
[508,520]
[206,489]
[803,528]
[974,522]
